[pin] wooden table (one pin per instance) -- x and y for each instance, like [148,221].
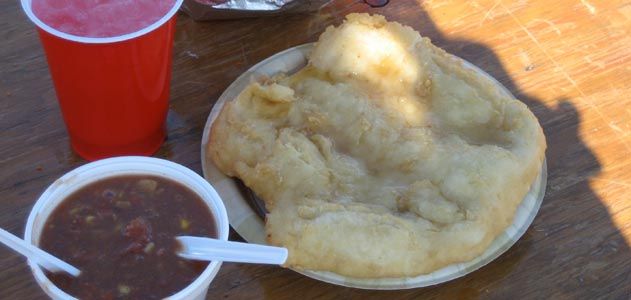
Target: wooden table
[569,60]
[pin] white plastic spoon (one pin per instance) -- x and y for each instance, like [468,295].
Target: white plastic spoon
[42,258]
[201,248]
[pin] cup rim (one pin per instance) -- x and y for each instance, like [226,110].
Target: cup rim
[26,6]
[76,181]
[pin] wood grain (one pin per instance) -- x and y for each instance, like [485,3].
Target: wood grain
[568,60]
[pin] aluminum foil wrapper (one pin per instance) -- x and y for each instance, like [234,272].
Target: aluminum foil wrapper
[201,10]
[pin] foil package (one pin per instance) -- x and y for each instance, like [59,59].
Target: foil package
[202,10]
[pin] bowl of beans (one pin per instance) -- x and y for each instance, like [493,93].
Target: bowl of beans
[116,220]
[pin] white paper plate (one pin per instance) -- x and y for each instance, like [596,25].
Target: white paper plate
[245,211]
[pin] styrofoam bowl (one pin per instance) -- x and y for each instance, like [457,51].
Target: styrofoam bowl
[126,165]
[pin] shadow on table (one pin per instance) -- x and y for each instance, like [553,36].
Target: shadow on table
[559,255]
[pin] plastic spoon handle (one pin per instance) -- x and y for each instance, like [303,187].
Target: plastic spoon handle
[200,248]
[38,255]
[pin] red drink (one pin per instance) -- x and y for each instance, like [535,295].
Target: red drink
[110,61]
[100,18]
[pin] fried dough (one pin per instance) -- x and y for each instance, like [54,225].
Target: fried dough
[383,157]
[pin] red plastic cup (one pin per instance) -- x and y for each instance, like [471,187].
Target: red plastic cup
[114,91]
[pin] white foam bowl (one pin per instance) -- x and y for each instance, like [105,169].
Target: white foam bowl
[126,165]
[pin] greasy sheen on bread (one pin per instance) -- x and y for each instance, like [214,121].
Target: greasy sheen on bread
[383,157]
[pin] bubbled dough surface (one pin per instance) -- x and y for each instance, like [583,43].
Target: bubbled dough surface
[384,157]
